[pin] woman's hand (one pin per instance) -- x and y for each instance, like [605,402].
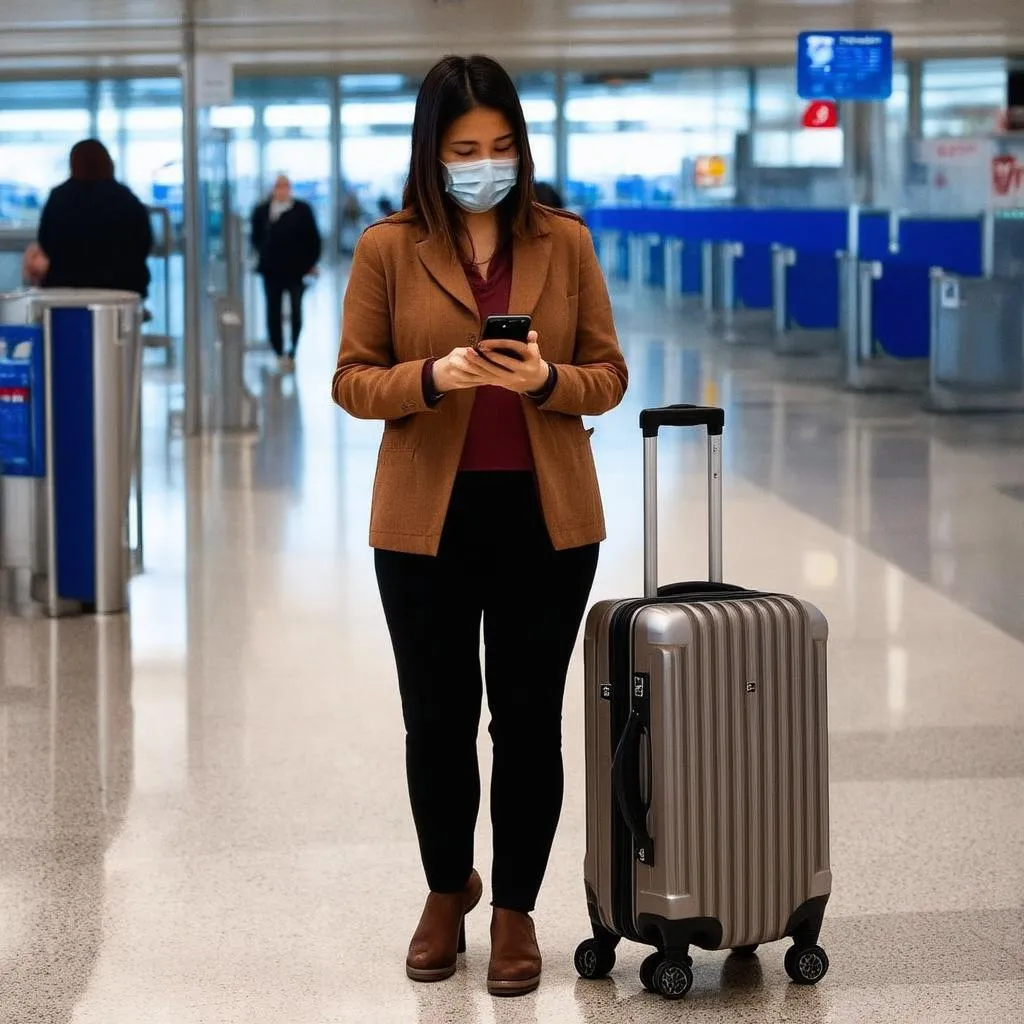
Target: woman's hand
[528,373]
[463,368]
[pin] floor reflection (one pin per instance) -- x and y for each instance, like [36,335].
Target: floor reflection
[66,756]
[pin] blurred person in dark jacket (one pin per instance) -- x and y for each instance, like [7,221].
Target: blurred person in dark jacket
[287,240]
[94,232]
[548,195]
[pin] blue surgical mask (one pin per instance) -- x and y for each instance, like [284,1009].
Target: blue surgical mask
[479,185]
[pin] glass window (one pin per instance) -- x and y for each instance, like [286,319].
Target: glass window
[629,140]
[963,97]
[39,123]
[537,93]
[376,125]
[297,122]
[151,122]
[778,140]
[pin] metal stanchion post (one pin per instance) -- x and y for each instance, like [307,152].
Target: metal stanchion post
[637,261]
[610,255]
[138,555]
[673,255]
[163,249]
[869,271]
[709,290]
[934,353]
[782,260]
[729,254]
[238,410]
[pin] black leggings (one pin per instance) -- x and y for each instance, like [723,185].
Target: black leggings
[276,291]
[497,564]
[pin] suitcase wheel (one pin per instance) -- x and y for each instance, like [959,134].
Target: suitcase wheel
[806,965]
[594,959]
[672,979]
[647,969]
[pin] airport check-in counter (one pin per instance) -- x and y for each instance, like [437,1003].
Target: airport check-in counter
[70,385]
[928,304]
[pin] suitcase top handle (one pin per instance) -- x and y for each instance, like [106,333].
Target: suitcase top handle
[652,420]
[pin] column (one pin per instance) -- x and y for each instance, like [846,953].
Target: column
[121,102]
[334,187]
[259,134]
[915,115]
[865,147]
[561,138]
[93,101]
[915,100]
[193,227]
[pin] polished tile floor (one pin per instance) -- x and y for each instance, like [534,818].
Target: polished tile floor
[203,816]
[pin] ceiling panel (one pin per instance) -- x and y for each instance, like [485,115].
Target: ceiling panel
[623,33]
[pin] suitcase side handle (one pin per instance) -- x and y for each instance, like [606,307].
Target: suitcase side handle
[626,785]
[651,420]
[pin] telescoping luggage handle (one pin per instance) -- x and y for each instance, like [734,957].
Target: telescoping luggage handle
[651,421]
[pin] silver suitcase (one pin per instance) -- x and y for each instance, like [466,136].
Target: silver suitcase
[706,761]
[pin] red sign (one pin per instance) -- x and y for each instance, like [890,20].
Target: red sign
[1007,176]
[821,114]
[957,150]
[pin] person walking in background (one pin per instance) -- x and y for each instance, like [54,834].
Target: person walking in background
[548,195]
[94,232]
[287,242]
[486,505]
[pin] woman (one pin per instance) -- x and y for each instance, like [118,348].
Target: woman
[94,232]
[486,503]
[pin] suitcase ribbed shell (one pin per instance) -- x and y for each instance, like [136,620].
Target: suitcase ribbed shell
[738,749]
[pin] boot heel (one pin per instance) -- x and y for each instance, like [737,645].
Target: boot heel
[462,936]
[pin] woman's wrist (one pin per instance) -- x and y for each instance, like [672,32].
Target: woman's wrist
[544,389]
[432,394]
[437,376]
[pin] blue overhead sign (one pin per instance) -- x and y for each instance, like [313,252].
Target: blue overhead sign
[844,65]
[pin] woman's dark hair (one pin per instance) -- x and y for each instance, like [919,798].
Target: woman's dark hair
[90,161]
[453,87]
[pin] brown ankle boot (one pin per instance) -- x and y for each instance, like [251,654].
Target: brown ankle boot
[515,959]
[441,933]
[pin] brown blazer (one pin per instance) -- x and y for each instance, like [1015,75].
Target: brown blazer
[408,299]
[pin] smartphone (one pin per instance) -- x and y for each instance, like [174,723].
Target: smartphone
[516,328]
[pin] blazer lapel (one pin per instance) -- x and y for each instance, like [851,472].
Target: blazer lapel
[447,272]
[531,261]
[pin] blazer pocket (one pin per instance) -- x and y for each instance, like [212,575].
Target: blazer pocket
[398,436]
[572,303]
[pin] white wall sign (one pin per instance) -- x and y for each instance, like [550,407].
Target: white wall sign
[215,81]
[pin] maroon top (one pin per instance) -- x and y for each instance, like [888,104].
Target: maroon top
[497,438]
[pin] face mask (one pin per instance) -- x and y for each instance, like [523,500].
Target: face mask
[478,186]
